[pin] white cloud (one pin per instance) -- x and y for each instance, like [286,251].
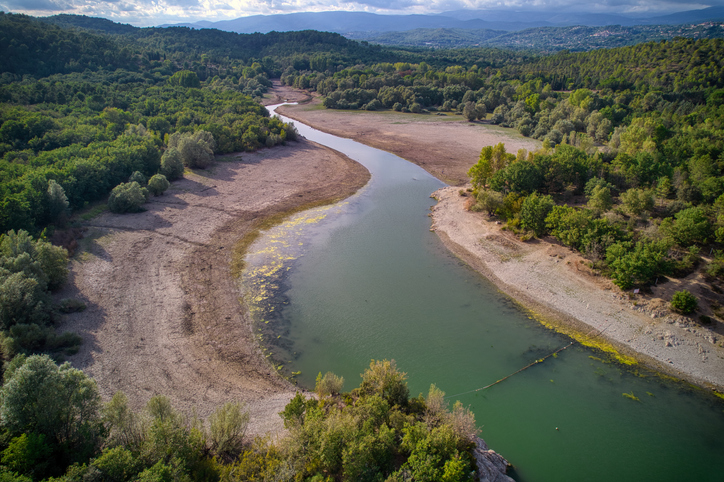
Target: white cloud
[156,12]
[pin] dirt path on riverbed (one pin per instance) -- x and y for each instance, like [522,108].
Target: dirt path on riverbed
[164,315]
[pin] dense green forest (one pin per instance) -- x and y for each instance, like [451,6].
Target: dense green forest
[630,174]
[543,39]
[633,140]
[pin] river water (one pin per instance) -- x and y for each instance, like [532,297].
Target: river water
[335,287]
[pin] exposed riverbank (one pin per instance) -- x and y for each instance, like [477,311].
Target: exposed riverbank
[549,279]
[163,316]
[555,283]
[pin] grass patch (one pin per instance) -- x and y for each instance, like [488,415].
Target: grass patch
[94,211]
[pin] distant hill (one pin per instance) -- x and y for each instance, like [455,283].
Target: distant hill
[548,39]
[348,23]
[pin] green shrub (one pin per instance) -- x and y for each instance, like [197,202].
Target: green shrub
[172,165]
[71,305]
[328,385]
[196,149]
[138,177]
[227,428]
[158,184]
[127,198]
[533,213]
[684,302]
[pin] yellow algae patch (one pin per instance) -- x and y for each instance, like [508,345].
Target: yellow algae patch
[586,339]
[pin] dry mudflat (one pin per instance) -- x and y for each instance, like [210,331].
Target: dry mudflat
[164,315]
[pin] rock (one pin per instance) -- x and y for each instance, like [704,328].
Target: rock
[491,466]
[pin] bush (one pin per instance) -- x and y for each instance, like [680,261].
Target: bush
[684,302]
[158,184]
[533,213]
[71,305]
[383,378]
[328,385]
[196,149]
[30,403]
[138,177]
[127,198]
[228,425]
[57,202]
[172,165]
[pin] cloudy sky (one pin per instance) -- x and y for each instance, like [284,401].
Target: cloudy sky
[144,13]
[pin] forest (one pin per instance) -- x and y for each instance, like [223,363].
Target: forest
[97,113]
[630,172]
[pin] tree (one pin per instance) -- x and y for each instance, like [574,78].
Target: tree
[491,160]
[636,201]
[688,227]
[635,264]
[328,385]
[196,149]
[534,211]
[489,201]
[59,402]
[684,302]
[569,225]
[138,177]
[127,198]
[384,379]
[600,199]
[57,202]
[158,184]
[172,166]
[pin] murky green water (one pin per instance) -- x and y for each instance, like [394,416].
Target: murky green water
[370,281]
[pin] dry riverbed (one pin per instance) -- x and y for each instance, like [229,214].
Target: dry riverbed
[164,315]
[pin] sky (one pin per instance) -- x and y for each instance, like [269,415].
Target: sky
[144,13]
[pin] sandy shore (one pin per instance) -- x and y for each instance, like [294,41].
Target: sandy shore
[164,315]
[549,279]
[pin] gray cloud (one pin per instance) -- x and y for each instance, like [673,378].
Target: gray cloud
[42,5]
[154,12]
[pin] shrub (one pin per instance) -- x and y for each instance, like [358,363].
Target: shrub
[328,385]
[172,165]
[127,197]
[636,201]
[57,202]
[684,302]
[384,379]
[30,402]
[138,177]
[158,184]
[196,149]
[71,305]
[533,213]
[228,425]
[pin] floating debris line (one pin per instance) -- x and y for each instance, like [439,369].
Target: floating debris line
[539,360]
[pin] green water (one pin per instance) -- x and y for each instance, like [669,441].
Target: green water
[369,280]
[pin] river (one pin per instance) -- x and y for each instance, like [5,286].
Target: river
[337,286]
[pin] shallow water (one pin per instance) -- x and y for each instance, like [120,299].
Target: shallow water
[340,285]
